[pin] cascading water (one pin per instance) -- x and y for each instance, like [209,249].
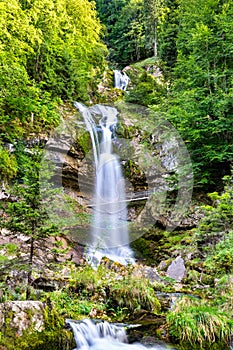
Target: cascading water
[103,336]
[121,80]
[91,127]
[109,232]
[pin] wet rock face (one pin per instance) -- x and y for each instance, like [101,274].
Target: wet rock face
[150,158]
[19,316]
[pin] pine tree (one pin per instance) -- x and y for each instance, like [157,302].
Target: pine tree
[28,214]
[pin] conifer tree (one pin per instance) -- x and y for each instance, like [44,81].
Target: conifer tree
[28,215]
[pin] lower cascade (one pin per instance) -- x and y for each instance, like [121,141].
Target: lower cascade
[109,231]
[100,335]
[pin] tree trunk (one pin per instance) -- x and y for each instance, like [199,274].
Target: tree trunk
[155,40]
[29,277]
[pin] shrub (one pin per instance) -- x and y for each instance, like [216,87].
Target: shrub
[218,220]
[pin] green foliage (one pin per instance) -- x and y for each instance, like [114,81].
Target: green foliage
[108,11]
[50,50]
[196,323]
[8,164]
[217,223]
[155,11]
[24,107]
[132,27]
[222,256]
[120,297]
[147,90]
[69,305]
[133,294]
[71,55]
[28,215]
[167,35]
[128,35]
[200,103]
[125,24]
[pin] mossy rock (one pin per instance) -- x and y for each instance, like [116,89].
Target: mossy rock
[59,339]
[53,336]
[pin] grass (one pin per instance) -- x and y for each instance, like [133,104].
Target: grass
[109,293]
[196,323]
[134,294]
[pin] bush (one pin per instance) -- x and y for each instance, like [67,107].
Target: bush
[218,220]
[147,91]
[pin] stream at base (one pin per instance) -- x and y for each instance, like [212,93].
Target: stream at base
[90,335]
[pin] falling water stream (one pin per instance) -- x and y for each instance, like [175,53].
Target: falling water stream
[109,231]
[121,80]
[103,336]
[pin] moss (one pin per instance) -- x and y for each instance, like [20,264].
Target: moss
[47,340]
[54,336]
[145,249]
[85,142]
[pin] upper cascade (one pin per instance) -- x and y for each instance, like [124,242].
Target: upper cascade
[121,80]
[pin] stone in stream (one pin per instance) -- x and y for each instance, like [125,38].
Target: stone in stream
[177,269]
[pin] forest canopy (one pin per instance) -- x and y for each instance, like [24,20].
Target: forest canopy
[54,51]
[49,51]
[192,42]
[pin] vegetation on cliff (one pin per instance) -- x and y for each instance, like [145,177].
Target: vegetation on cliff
[50,51]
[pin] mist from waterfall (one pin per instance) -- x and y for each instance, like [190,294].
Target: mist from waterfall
[109,230]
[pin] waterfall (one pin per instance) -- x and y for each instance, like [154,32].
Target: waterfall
[91,127]
[109,231]
[121,80]
[102,336]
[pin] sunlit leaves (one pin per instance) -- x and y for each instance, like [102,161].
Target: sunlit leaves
[8,164]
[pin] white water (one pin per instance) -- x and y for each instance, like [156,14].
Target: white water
[121,80]
[109,231]
[91,127]
[103,336]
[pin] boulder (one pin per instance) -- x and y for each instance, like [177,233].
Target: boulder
[177,269]
[148,272]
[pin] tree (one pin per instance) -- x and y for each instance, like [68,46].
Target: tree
[50,50]
[155,11]
[28,215]
[167,35]
[109,14]
[199,102]
[127,39]
[214,235]
[70,55]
